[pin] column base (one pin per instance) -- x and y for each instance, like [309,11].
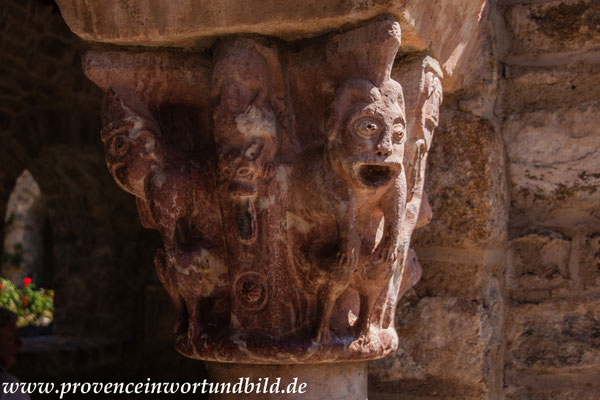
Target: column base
[343,381]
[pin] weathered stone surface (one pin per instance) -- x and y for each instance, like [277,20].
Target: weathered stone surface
[589,262]
[286,223]
[184,23]
[538,261]
[571,391]
[568,90]
[554,26]
[553,165]
[444,344]
[551,136]
[193,23]
[446,279]
[465,189]
[554,337]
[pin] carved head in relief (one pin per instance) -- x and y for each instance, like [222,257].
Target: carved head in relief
[245,125]
[431,96]
[132,148]
[366,131]
[246,152]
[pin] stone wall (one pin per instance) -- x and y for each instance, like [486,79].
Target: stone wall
[451,324]
[549,104]
[508,304]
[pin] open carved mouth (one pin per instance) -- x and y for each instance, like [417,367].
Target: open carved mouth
[245,220]
[375,175]
[242,189]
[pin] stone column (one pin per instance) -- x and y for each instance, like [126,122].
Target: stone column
[283,167]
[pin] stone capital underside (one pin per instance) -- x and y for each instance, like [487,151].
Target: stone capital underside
[451,30]
[285,178]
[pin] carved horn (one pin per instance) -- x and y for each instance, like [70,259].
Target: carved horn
[117,115]
[373,58]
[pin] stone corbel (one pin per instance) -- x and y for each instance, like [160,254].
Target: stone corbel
[285,180]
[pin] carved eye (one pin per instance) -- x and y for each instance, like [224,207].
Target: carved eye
[119,146]
[226,171]
[399,134]
[367,128]
[254,150]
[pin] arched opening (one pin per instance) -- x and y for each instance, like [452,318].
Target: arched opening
[26,234]
[27,260]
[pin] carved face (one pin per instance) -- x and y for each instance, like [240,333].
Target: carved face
[131,154]
[430,111]
[369,141]
[246,151]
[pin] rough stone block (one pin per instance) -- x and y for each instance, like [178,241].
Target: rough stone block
[589,262]
[553,166]
[554,26]
[554,337]
[448,280]
[564,89]
[538,262]
[448,347]
[457,46]
[567,393]
[465,185]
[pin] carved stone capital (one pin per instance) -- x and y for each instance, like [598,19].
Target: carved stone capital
[285,178]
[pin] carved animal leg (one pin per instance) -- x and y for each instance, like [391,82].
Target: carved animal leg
[327,298]
[363,323]
[326,303]
[196,329]
[164,275]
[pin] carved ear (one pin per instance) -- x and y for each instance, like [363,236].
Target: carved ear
[240,66]
[114,115]
[117,115]
[113,108]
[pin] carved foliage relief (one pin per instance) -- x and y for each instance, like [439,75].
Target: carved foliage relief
[285,180]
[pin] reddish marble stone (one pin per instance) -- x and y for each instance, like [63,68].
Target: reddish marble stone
[285,179]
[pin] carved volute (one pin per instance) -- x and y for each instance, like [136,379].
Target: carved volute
[285,179]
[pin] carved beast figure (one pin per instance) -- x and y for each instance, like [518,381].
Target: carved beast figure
[245,131]
[174,195]
[350,183]
[425,77]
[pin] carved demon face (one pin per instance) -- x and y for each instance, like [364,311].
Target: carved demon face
[246,151]
[131,153]
[367,131]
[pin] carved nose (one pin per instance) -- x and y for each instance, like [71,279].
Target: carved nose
[383,151]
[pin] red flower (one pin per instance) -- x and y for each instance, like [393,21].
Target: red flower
[24,301]
[26,282]
[1,286]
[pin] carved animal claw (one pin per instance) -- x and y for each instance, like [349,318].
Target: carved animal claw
[346,259]
[322,336]
[386,254]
